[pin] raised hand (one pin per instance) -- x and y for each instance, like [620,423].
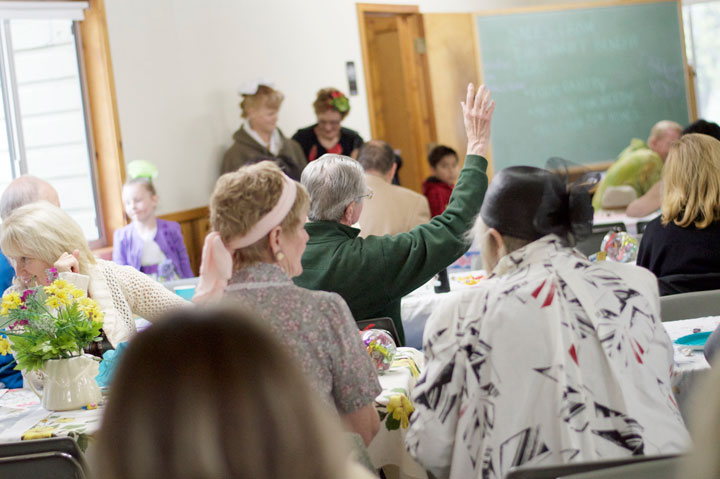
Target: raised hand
[477,114]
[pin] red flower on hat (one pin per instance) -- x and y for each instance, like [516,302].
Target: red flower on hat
[336,94]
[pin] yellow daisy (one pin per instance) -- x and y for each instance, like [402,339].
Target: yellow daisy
[4,347]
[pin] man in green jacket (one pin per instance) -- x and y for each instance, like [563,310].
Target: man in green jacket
[374,273]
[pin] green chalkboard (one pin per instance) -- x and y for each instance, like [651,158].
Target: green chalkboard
[580,83]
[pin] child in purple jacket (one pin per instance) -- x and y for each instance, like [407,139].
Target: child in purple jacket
[153,246]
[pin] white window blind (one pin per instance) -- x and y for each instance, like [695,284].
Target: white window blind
[42,10]
[44,127]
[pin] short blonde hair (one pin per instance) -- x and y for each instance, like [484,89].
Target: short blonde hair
[264,95]
[691,191]
[244,196]
[44,231]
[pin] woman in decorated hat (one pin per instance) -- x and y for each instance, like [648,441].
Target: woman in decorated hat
[258,219]
[327,136]
[259,136]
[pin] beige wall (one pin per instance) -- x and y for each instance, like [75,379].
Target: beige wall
[178,65]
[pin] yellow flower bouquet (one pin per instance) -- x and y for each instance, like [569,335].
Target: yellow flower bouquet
[48,322]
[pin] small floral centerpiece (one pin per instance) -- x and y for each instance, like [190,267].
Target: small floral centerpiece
[339,102]
[48,322]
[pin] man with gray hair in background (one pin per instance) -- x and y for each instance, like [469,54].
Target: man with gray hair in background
[372,274]
[24,190]
[392,209]
[20,192]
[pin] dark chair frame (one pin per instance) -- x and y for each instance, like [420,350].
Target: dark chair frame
[559,470]
[66,445]
[41,465]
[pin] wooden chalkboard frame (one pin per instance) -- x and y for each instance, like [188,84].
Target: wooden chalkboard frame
[690,94]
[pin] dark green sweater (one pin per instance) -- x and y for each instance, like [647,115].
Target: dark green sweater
[374,273]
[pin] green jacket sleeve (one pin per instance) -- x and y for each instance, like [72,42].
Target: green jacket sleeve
[413,258]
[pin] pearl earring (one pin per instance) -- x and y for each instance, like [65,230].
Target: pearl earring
[279,256]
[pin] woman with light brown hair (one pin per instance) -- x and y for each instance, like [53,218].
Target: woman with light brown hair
[258,219]
[211,394]
[681,246]
[327,136]
[259,136]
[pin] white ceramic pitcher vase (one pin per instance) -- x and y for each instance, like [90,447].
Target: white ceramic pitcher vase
[69,383]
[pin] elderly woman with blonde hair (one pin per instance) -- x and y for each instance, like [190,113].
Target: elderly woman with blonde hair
[40,236]
[257,216]
[680,246]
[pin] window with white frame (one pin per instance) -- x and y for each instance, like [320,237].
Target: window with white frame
[702,24]
[44,121]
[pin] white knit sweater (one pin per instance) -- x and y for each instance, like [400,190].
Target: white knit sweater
[122,292]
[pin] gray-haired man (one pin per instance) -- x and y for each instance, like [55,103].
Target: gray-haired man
[374,273]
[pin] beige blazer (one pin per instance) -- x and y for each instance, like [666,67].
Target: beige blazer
[392,209]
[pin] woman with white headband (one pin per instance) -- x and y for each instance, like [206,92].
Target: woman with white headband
[258,216]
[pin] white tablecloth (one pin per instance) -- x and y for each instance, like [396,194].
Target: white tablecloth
[604,218]
[388,447]
[417,306]
[690,366]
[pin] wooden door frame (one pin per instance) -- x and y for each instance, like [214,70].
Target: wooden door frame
[422,122]
[362,9]
[104,117]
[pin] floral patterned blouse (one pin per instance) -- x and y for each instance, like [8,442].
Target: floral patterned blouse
[318,331]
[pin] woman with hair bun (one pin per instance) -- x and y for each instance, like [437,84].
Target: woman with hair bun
[551,359]
[327,136]
[258,219]
[259,136]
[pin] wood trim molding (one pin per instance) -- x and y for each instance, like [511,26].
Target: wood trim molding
[383,8]
[566,6]
[105,122]
[194,224]
[690,92]
[187,215]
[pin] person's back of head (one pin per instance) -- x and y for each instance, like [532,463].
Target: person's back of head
[523,204]
[24,190]
[691,193]
[376,155]
[705,127]
[210,393]
[242,198]
[333,182]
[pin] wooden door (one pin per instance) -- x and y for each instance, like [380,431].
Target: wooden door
[398,85]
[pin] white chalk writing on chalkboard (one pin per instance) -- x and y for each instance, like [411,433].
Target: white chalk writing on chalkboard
[581,82]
